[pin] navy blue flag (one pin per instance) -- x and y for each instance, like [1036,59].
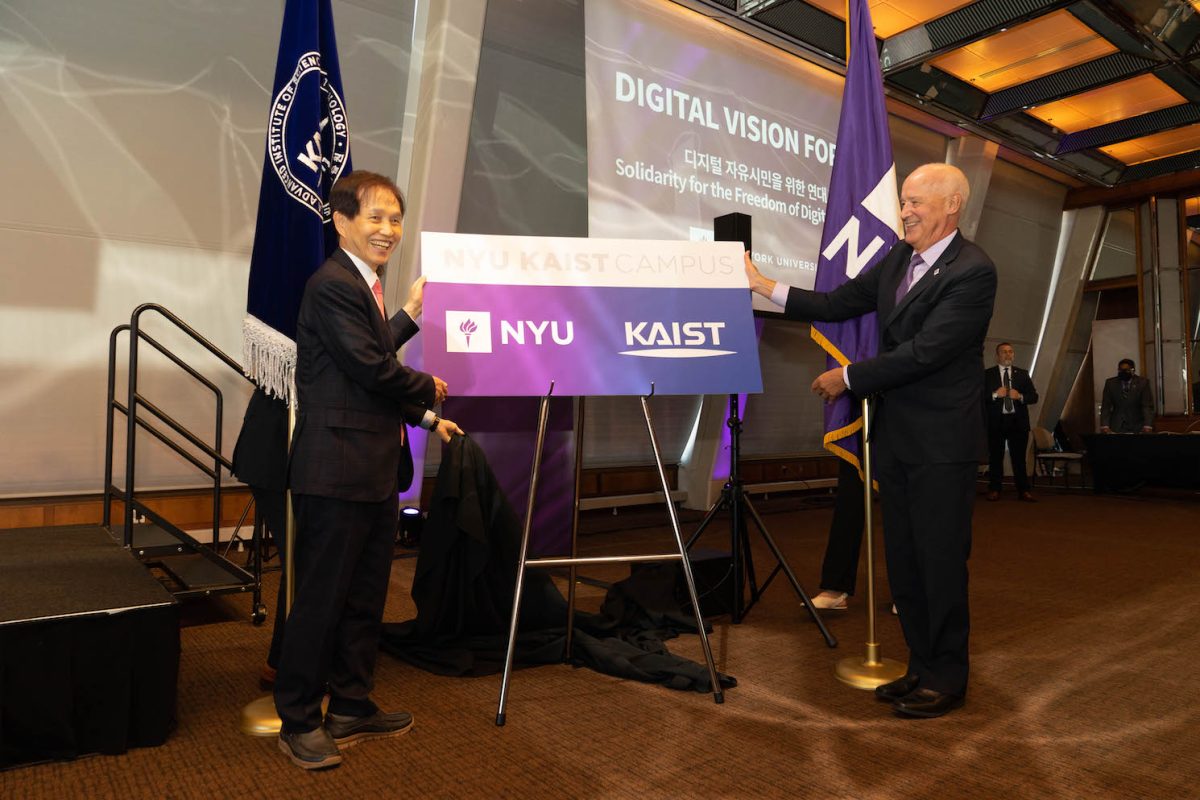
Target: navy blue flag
[308,149]
[862,220]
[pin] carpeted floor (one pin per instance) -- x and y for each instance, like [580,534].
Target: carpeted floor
[1085,613]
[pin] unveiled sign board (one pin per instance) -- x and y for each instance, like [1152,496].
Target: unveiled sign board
[506,315]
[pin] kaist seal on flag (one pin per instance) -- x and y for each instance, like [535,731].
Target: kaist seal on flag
[308,149]
[862,221]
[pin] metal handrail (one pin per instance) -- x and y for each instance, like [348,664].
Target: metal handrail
[134,399]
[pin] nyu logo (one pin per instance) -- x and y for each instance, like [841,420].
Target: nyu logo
[515,333]
[882,205]
[468,332]
[674,339]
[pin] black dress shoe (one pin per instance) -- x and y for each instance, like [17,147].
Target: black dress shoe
[313,749]
[928,703]
[347,730]
[897,688]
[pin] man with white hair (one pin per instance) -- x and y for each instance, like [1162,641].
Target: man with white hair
[933,293]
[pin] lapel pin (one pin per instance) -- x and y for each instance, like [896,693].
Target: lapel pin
[936,271]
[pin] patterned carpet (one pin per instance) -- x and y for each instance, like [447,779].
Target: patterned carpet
[1085,617]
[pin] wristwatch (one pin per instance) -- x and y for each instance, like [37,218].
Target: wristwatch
[433,426]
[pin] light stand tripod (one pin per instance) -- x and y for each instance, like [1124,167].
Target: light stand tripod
[733,497]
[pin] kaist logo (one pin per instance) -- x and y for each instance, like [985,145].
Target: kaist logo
[307,162]
[674,339]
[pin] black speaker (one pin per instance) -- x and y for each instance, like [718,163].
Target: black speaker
[732,228]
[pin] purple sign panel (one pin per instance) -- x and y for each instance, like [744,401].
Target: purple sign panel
[675,316]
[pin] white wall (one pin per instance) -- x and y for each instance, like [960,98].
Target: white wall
[132,133]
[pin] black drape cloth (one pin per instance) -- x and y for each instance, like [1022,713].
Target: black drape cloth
[464,585]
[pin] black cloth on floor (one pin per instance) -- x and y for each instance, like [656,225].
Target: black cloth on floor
[464,585]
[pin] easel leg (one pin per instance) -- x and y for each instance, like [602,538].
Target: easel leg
[543,413]
[573,571]
[718,693]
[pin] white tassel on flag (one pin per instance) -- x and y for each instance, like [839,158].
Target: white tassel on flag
[269,359]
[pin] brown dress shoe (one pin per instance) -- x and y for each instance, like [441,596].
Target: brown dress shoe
[993,496]
[1028,497]
[898,688]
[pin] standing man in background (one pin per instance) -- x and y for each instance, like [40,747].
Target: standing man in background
[350,459]
[1008,393]
[1127,404]
[934,294]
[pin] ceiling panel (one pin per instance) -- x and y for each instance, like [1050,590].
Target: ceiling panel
[1123,100]
[1050,43]
[1158,145]
[890,17]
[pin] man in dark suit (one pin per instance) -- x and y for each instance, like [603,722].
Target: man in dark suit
[1007,394]
[1126,404]
[350,458]
[933,293]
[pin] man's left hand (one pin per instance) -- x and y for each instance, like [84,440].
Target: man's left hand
[446,429]
[829,385]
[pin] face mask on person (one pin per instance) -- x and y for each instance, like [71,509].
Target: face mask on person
[1124,374]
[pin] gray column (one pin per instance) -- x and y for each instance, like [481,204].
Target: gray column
[975,157]
[1066,324]
[433,178]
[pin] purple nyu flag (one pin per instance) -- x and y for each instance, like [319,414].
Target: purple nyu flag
[862,220]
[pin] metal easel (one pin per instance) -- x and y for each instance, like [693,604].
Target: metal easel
[573,561]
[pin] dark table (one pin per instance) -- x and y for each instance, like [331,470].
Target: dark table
[1126,461]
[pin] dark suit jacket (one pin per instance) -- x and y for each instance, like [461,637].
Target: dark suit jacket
[995,405]
[1126,412]
[260,455]
[929,366]
[354,394]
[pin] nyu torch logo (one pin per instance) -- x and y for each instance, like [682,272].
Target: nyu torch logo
[468,332]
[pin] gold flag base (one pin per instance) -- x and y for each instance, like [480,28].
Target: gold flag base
[259,717]
[869,672]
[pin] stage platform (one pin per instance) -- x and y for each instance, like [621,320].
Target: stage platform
[89,647]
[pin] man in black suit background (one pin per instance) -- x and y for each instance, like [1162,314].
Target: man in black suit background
[350,458]
[1126,404]
[1007,394]
[934,294]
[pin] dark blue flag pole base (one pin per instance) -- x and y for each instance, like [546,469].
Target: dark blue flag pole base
[733,497]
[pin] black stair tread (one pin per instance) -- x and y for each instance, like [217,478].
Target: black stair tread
[146,535]
[195,571]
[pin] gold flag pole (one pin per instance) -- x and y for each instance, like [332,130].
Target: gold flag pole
[872,671]
[258,716]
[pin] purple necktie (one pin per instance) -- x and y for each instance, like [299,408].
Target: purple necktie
[907,283]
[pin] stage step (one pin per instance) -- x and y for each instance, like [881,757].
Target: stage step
[183,569]
[149,540]
[199,575]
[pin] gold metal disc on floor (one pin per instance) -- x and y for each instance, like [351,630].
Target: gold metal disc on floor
[259,717]
[866,673]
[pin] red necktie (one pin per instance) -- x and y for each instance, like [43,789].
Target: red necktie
[377,289]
